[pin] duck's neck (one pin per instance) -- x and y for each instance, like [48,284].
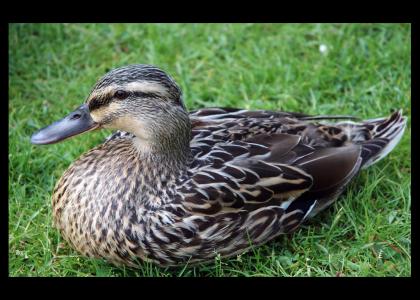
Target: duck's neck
[169,160]
[159,174]
[165,141]
[164,159]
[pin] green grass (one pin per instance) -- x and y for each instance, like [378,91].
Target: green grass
[365,72]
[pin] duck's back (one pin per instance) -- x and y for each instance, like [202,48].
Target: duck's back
[376,137]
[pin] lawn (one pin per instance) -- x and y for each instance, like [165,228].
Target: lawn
[357,69]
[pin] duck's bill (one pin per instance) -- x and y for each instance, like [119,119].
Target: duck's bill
[75,123]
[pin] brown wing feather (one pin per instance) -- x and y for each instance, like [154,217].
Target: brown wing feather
[243,174]
[268,169]
[330,166]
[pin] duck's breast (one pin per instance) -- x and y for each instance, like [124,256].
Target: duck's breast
[93,200]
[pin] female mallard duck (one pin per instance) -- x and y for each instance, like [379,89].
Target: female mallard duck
[174,187]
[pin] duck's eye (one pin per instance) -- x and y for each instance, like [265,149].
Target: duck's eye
[120,94]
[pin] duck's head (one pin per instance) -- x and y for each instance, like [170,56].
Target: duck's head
[140,99]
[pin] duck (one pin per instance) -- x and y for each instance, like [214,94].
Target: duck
[173,187]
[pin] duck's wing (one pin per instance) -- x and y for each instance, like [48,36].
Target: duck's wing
[239,175]
[243,193]
[264,171]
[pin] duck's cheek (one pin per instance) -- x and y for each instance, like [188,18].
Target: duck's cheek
[99,115]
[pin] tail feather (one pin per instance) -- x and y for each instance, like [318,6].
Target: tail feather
[385,133]
[377,136]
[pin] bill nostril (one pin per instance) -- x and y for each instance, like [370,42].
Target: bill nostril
[75,116]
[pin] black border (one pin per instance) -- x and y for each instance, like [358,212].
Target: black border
[194,287]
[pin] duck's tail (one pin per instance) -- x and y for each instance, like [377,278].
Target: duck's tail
[377,136]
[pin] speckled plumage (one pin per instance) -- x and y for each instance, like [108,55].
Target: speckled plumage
[186,187]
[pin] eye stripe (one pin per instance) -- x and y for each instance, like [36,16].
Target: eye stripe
[96,103]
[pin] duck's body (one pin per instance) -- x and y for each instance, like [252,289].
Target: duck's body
[217,182]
